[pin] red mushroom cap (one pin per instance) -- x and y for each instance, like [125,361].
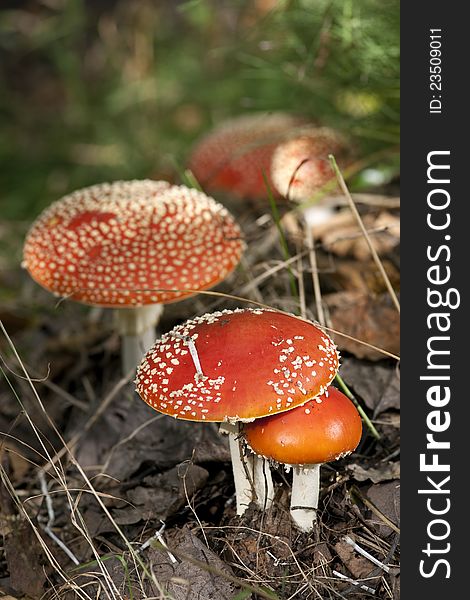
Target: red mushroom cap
[321,430]
[125,243]
[254,363]
[300,166]
[234,156]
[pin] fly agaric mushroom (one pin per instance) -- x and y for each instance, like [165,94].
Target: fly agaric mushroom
[233,157]
[326,428]
[132,245]
[300,166]
[237,366]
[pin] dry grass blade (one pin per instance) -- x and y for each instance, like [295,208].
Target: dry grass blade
[301,285]
[24,515]
[350,337]
[252,284]
[244,300]
[376,200]
[76,517]
[315,277]
[129,437]
[373,252]
[261,593]
[375,510]
[92,420]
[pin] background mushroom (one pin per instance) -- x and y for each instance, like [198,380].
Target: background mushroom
[234,155]
[325,428]
[300,169]
[300,165]
[132,245]
[237,366]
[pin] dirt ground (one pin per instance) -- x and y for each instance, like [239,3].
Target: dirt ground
[90,473]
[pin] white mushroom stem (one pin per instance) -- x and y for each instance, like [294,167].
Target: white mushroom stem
[136,326]
[304,498]
[251,473]
[263,487]
[317,214]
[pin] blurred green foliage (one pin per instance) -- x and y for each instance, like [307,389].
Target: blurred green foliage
[102,90]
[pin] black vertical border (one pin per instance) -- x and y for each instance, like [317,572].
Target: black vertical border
[422,132]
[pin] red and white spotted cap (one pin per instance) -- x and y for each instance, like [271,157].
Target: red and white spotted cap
[300,166]
[324,429]
[131,243]
[237,366]
[233,157]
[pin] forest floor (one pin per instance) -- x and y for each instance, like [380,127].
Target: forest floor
[90,473]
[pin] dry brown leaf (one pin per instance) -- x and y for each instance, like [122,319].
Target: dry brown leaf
[26,561]
[184,579]
[378,385]
[362,276]
[372,320]
[342,236]
[384,472]
[120,439]
[358,566]
[386,498]
[162,495]
[321,555]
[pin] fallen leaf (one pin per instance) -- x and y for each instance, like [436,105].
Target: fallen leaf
[26,561]
[355,276]
[386,498]
[377,385]
[396,587]
[373,320]
[358,565]
[321,555]
[121,440]
[162,495]
[96,520]
[384,472]
[119,572]
[24,557]
[185,579]
[342,235]
[391,396]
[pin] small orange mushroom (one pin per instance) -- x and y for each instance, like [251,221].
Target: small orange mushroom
[323,429]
